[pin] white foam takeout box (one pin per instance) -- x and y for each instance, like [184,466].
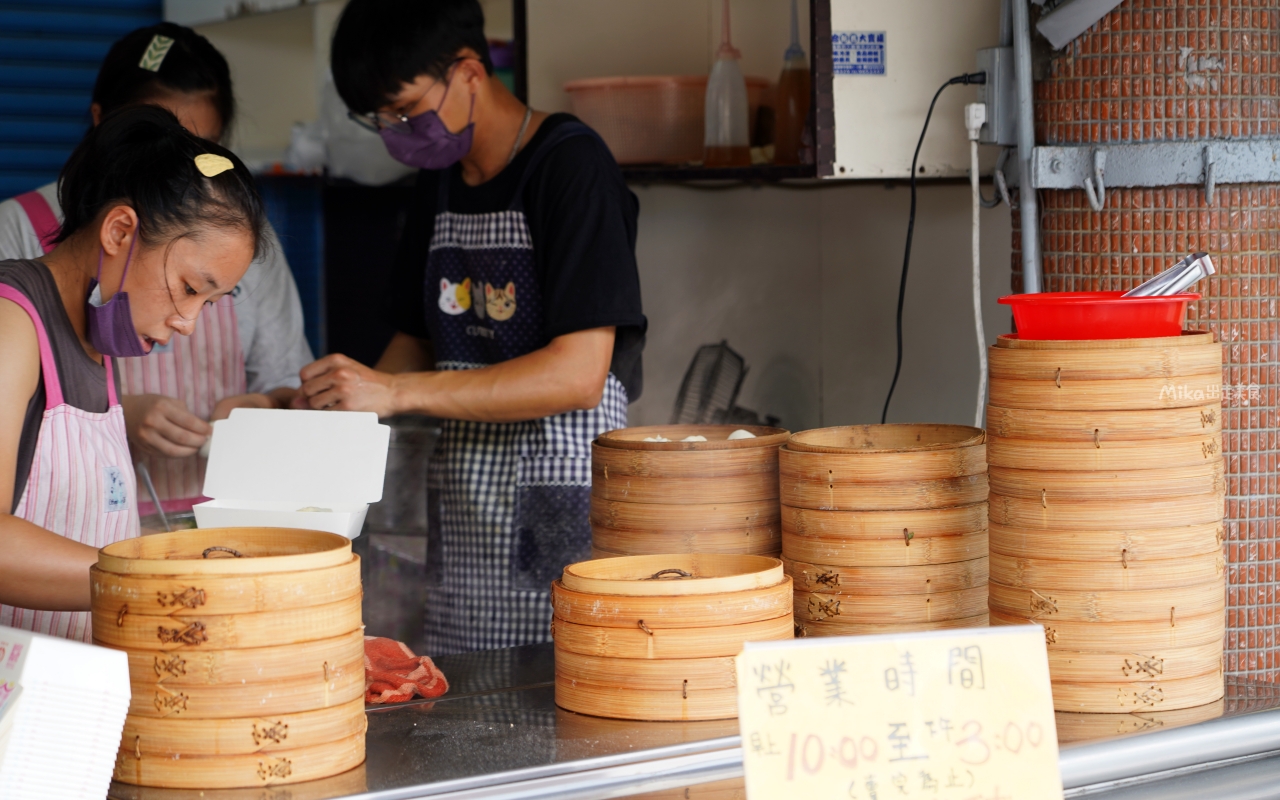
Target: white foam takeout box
[265,465]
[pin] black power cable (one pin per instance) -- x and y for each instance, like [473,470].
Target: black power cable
[970,78]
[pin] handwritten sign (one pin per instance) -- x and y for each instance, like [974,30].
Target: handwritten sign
[951,715]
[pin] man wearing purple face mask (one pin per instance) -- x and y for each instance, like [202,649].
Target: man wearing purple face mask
[517,301]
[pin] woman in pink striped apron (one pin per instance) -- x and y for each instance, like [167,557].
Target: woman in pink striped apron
[247,349]
[158,223]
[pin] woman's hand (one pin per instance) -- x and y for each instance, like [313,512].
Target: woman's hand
[253,400]
[342,384]
[163,426]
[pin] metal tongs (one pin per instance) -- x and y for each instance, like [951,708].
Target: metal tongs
[1178,278]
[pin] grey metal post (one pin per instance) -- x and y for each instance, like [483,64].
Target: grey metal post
[1006,24]
[1027,204]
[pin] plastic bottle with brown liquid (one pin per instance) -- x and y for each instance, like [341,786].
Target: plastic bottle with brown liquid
[727,134]
[791,102]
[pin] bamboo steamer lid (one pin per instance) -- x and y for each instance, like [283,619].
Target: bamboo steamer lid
[183,738]
[880,466]
[1109,546]
[1097,427]
[839,626]
[1189,338]
[278,768]
[751,515]
[885,440]
[126,630]
[181,596]
[1170,574]
[682,675]
[673,574]
[1099,485]
[1164,512]
[920,523]
[1098,365]
[206,551]
[1122,394]
[1126,636]
[924,579]
[681,477]
[234,668]
[668,643]
[904,551]
[634,543]
[1091,605]
[1073,727]
[340,683]
[1151,696]
[800,491]
[879,609]
[1172,663]
[640,704]
[1188,451]
[702,610]
[717,437]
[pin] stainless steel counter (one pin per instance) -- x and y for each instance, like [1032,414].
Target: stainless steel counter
[497,734]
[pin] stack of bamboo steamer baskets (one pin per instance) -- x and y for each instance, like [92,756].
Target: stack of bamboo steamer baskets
[654,637]
[717,496]
[884,528]
[1107,495]
[246,655]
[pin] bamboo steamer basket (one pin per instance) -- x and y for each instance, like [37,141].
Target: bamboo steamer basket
[885,609]
[903,551]
[683,477]
[838,626]
[650,642]
[1097,427]
[745,541]
[887,440]
[801,492]
[330,685]
[1169,574]
[258,734]
[1108,606]
[1126,636]
[1100,485]
[1118,546]
[1159,664]
[238,627]
[1120,394]
[1125,455]
[921,524]
[717,437]
[1074,727]
[1150,696]
[1189,338]
[653,637]
[181,596]
[1160,512]
[1097,364]
[924,579]
[231,668]
[277,768]
[753,516]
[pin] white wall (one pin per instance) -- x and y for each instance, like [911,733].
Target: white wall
[803,283]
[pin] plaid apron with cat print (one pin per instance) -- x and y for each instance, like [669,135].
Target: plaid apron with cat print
[508,503]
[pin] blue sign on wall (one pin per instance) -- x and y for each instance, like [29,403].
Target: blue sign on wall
[858,52]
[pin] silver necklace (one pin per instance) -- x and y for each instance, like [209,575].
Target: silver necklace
[515,148]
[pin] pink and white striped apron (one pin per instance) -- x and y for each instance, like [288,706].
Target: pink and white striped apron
[199,370]
[81,483]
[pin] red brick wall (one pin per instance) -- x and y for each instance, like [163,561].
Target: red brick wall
[1132,78]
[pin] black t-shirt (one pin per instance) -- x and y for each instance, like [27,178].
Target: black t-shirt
[582,219]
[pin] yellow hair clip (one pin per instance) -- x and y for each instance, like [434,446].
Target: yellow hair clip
[211,164]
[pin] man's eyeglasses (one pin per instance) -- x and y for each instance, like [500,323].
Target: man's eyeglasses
[382,120]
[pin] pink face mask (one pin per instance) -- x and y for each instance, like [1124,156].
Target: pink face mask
[111,330]
[428,144]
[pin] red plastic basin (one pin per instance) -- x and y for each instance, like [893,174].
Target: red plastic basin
[1097,315]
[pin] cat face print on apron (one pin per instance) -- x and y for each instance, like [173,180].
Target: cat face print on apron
[508,503]
[81,483]
[199,370]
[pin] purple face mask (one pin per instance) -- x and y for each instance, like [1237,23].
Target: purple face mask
[111,330]
[429,144]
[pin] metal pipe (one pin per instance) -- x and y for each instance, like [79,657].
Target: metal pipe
[1027,205]
[1006,24]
